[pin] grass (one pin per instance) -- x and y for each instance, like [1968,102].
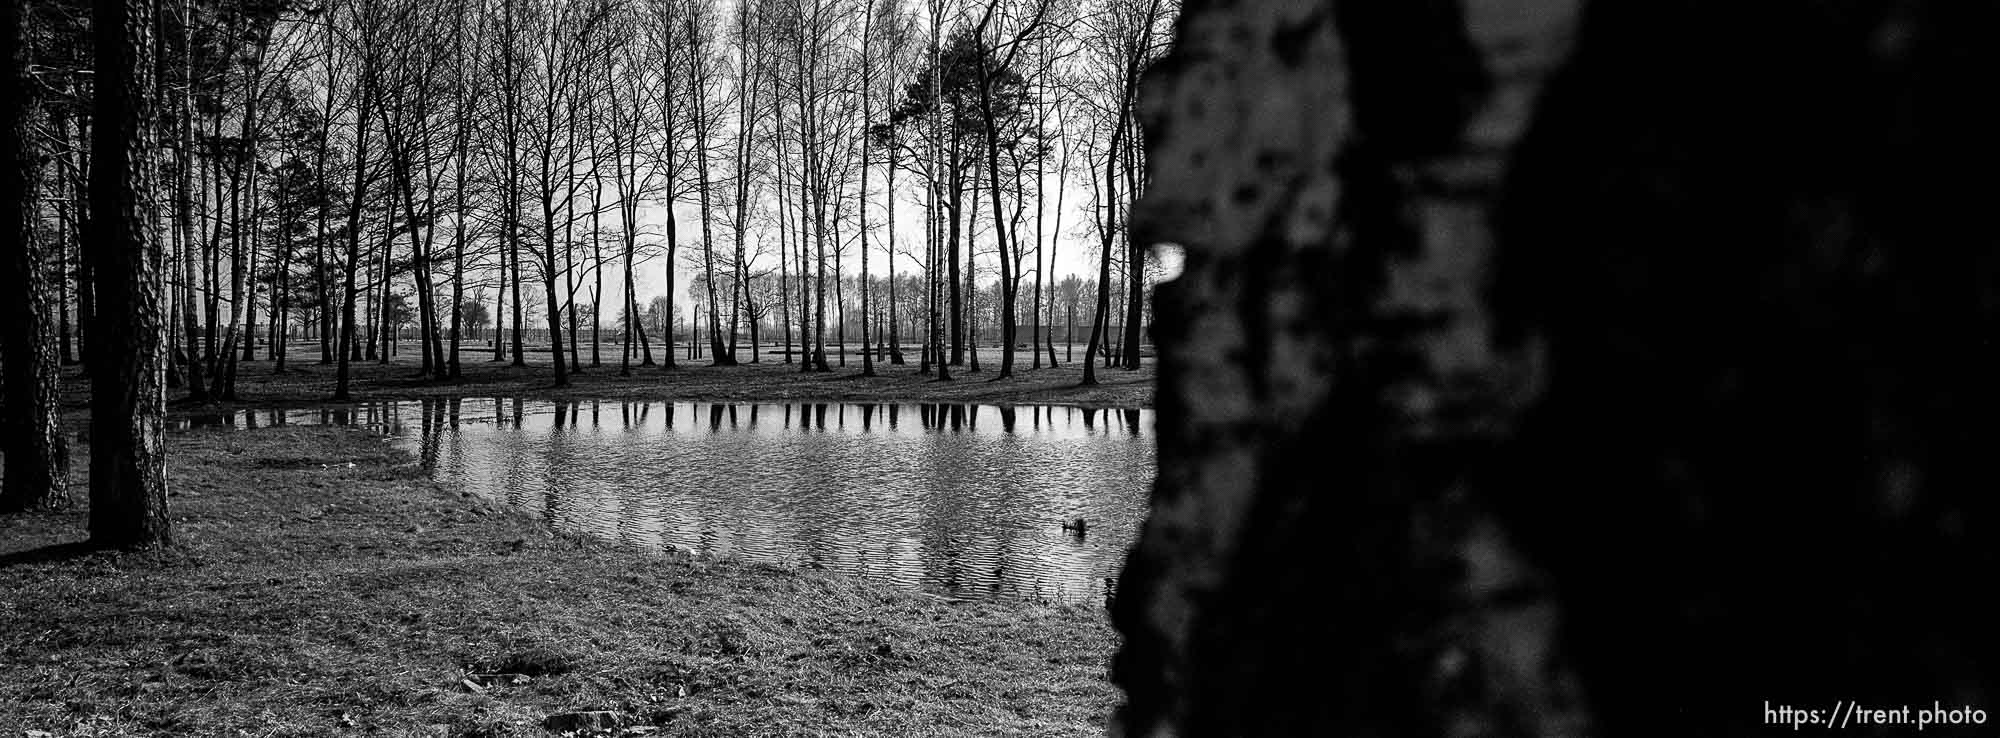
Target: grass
[308,382]
[323,585]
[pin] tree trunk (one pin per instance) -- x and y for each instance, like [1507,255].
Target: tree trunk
[281,290]
[954,197]
[1069,332]
[569,237]
[895,338]
[500,301]
[1000,232]
[784,247]
[936,329]
[1135,295]
[720,355]
[867,112]
[552,308]
[356,198]
[36,456]
[128,483]
[457,273]
[386,324]
[430,365]
[1107,234]
[596,257]
[667,357]
[629,305]
[461,148]
[1591,364]
[64,217]
[514,252]
[1069,338]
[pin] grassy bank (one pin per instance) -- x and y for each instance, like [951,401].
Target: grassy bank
[323,586]
[309,382]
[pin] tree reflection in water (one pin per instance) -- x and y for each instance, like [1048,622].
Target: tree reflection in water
[951,503]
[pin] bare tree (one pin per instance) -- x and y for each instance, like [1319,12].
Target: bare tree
[1128,37]
[1001,96]
[750,71]
[701,88]
[366,29]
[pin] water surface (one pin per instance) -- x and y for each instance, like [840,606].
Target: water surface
[969,499]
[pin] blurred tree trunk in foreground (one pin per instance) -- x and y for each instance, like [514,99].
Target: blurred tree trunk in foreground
[1610,372]
[128,485]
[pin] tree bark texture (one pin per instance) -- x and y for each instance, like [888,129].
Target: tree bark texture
[128,485]
[37,459]
[1611,371]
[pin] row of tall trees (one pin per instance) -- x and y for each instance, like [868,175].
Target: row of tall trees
[276,173]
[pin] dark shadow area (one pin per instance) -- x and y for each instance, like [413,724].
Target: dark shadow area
[1637,373]
[49,554]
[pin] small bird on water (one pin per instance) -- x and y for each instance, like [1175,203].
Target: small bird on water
[1077,526]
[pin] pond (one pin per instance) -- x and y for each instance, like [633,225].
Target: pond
[967,499]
